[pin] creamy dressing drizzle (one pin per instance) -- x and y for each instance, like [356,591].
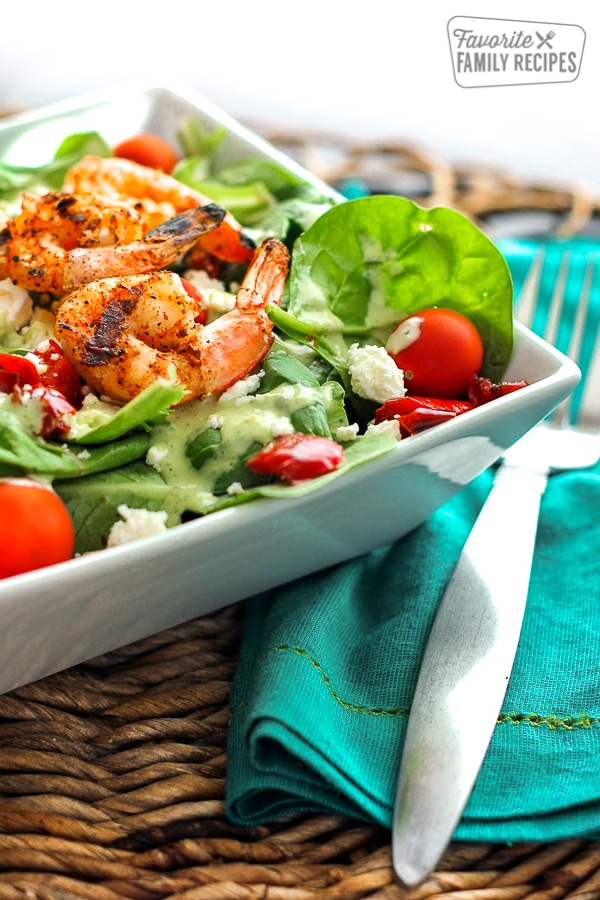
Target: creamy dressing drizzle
[241,420]
[404,335]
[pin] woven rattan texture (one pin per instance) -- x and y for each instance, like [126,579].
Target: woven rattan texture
[112,778]
[477,189]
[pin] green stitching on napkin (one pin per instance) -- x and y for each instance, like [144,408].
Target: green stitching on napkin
[552,722]
[363,710]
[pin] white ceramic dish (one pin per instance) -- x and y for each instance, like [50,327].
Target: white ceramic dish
[56,617]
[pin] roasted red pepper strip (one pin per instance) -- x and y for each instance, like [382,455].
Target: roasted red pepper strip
[415,414]
[401,406]
[297,457]
[482,390]
[55,405]
[59,374]
[23,367]
[18,374]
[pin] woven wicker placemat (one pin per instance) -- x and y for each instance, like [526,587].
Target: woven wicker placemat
[112,778]
[112,774]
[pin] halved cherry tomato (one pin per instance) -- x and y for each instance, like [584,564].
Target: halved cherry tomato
[439,351]
[148,150]
[36,527]
[297,457]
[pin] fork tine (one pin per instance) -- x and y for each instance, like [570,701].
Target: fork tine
[550,331]
[531,294]
[530,290]
[588,413]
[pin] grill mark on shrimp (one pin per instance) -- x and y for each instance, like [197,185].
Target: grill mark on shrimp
[59,242]
[103,343]
[122,334]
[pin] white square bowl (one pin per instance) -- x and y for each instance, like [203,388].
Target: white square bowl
[59,616]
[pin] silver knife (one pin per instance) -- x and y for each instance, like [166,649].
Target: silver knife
[472,645]
[461,685]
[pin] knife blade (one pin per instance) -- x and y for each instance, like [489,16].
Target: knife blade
[462,682]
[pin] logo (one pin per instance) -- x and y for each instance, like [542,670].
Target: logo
[496,52]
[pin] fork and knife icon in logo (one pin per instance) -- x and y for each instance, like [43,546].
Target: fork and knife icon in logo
[545,41]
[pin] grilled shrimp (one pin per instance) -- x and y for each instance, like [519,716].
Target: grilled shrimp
[60,241]
[121,335]
[155,196]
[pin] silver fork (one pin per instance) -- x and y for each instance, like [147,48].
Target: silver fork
[473,641]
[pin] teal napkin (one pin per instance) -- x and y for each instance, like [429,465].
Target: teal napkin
[329,663]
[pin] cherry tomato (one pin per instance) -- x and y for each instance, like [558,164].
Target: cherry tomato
[439,350]
[148,150]
[297,457]
[35,525]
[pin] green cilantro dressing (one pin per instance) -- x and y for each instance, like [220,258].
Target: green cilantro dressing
[243,420]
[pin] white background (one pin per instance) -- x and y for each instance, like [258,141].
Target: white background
[376,69]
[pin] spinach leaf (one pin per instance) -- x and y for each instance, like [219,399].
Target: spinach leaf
[366,263]
[112,455]
[196,140]
[247,202]
[93,501]
[281,367]
[202,446]
[239,473]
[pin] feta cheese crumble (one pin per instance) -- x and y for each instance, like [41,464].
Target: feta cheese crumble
[242,388]
[15,304]
[136,524]
[347,432]
[388,426]
[374,374]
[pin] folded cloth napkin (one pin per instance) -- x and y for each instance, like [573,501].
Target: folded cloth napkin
[329,663]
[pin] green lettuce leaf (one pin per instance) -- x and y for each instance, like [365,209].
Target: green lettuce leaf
[24,454]
[141,412]
[51,175]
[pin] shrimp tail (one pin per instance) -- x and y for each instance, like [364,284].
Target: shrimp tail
[158,248]
[234,344]
[188,225]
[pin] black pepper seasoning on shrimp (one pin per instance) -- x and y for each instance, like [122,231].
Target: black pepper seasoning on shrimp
[122,334]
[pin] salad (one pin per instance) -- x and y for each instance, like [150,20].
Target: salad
[177,338]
